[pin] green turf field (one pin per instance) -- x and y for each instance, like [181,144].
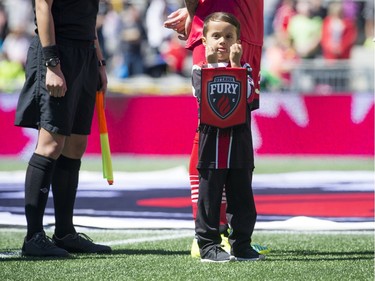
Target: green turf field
[294,256]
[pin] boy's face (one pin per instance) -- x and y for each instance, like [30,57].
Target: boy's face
[220,37]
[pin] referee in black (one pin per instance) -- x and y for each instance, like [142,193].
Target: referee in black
[64,69]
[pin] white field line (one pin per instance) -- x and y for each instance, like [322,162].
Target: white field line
[10,254]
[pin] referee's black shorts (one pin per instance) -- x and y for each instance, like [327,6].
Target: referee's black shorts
[71,114]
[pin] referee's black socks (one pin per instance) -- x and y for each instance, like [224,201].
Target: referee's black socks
[64,188]
[37,186]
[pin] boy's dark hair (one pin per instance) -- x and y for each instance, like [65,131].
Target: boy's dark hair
[221,16]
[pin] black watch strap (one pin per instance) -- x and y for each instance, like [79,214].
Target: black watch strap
[52,62]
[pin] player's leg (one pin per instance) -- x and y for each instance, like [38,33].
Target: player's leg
[38,179]
[36,109]
[64,187]
[65,183]
[194,175]
[37,186]
[66,173]
[198,55]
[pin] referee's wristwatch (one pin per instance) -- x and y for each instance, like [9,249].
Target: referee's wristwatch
[52,62]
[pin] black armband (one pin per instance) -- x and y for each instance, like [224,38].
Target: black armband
[50,52]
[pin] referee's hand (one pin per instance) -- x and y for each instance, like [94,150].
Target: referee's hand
[55,82]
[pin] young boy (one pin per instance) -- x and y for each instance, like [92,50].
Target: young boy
[225,156]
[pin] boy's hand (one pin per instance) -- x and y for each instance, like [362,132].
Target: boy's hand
[211,55]
[235,55]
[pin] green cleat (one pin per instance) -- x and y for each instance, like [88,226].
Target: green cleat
[261,249]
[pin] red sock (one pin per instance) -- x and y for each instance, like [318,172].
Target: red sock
[223,210]
[193,174]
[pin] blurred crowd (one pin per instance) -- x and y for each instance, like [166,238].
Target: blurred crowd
[297,30]
[135,42]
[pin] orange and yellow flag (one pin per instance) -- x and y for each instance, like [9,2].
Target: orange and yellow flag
[104,140]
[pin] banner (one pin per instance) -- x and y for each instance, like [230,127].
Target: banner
[285,124]
[223,97]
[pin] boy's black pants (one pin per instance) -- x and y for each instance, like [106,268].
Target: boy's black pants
[241,211]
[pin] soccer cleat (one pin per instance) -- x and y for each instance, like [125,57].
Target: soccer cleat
[194,252]
[225,243]
[216,254]
[248,255]
[80,243]
[40,245]
[257,247]
[261,249]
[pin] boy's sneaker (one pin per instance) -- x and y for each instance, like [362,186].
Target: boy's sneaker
[194,252]
[80,243]
[248,255]
[216,254]
[40,245]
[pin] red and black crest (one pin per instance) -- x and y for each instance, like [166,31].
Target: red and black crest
[223,102]
[223,95]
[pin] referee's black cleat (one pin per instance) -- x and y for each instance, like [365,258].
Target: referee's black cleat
[40,245]
[80,243]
